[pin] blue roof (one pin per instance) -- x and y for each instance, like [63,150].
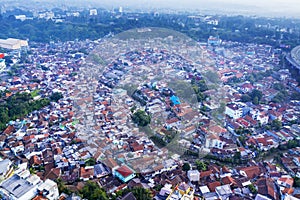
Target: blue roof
[175,100]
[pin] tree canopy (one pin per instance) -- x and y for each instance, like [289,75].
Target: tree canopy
[92,191]
[141,118]
[18,106]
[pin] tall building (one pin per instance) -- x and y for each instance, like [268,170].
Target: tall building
[120,9]
[93,12]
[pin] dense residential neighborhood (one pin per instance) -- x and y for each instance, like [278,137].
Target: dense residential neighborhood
[147,112]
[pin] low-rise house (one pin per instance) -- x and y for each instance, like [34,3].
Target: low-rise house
[224,192]
[20,186]
[6,169]
[193,175]
[267,188]
[86,173]
[250,172]
[124,173]
[100,170]
[49,190]
[214,141]
[285,181]
[236,110]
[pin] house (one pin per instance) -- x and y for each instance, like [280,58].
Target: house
[213,185]
[20,186]
[224,192]
[6,169]
[250,172]
[124,173]
[193,175]
[111,164]
[275,115]
[184,188]
[261,197]
[166,190]
[49,190]
[267,188]
[236,110]
[175,100]
[86,173]
[285,181]
[214,141]
[128,196]
[247,87]
[261,117]
[297,161]
[136,182]
[204,189]
[100,170]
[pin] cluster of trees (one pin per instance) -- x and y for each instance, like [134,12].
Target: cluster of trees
[56,96]
[290,145]
[21,104]
[199,86]
[141,118]
[18,106]
[201,165]
[158,141]
[296,182]
[282,95]
[234,28]
[186,167]
[252,78]
[138,192]
[92,191]
[255,96]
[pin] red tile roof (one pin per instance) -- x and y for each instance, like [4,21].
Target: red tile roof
[252,171]
[124,171]
[212,186]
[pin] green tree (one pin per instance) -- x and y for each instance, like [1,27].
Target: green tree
[256,93]
[92,191]
[56,96]
[246,98]
[138,192]
[141,193]
[62,188]
[255,100]
[276,124]
[212,76]
[90,162]
[252,188]
[186,167]
[200,165]
[141,118]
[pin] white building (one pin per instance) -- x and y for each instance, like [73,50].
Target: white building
[93,12]
[234,111]
[49,190]
[213,141]
[261,117]
[193,175]
[13,44]
[2,65]
[21,17]
[223,191]
[20,186]
[6,169]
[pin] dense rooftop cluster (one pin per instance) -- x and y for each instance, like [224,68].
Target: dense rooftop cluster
[87,132]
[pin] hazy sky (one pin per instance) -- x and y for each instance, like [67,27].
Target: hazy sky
[281,7]
[288,8]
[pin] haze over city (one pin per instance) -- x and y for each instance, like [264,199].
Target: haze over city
[149,99]
[278,8]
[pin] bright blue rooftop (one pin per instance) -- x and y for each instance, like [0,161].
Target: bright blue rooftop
[175,100]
